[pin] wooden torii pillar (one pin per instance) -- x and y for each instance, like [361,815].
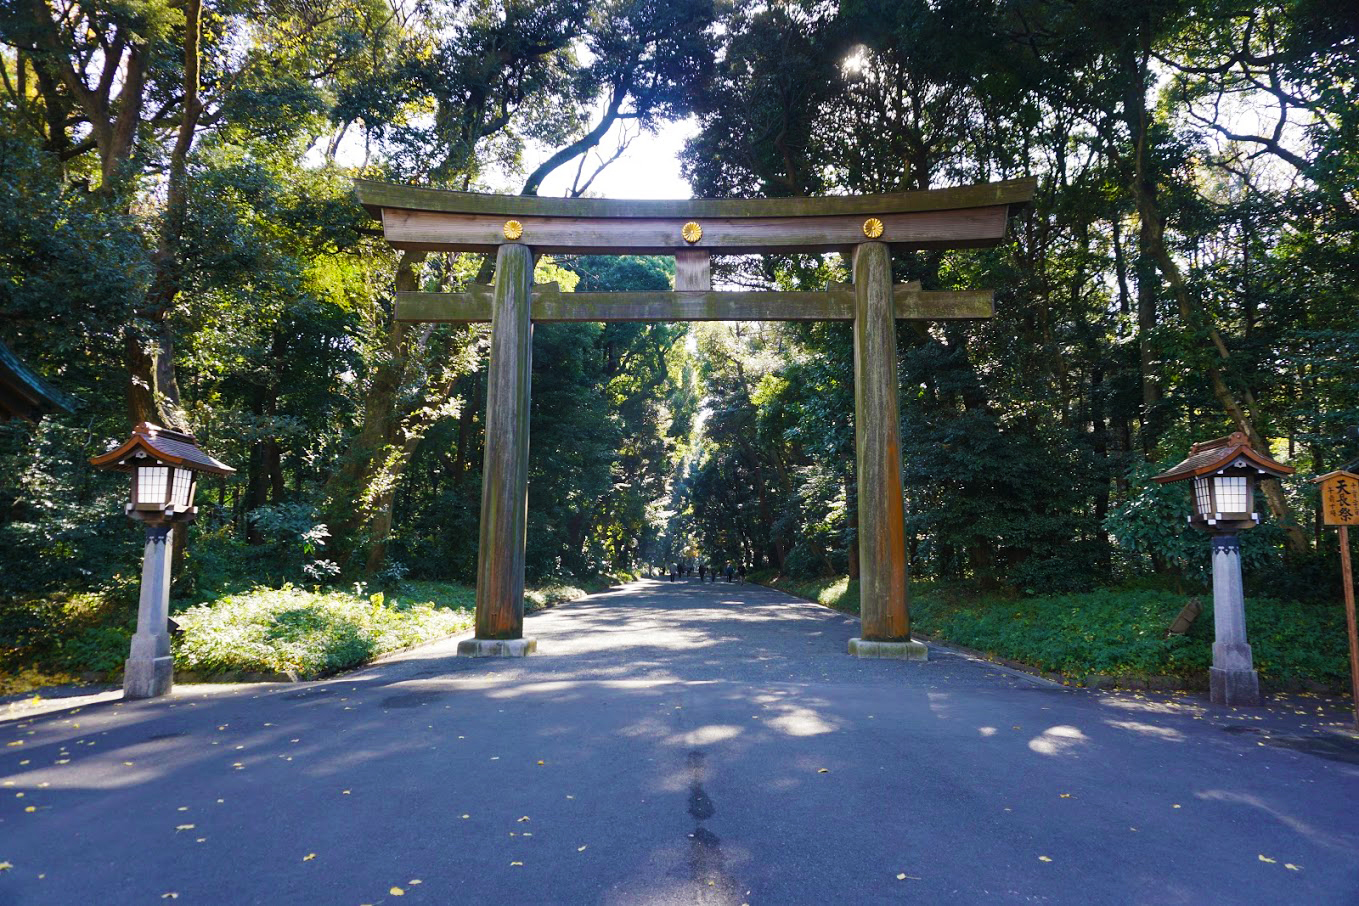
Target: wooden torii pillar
[864,228]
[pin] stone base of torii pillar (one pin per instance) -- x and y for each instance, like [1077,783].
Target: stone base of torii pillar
[497,647]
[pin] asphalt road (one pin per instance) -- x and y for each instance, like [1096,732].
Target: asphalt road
[677,744]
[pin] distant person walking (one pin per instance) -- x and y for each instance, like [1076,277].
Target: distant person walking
[731,573]
[701,568]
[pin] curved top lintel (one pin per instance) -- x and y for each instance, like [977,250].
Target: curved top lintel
[377,196]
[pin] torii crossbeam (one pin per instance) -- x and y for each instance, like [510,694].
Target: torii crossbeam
[864,228]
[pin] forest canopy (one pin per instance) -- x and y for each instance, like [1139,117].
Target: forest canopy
[182,245]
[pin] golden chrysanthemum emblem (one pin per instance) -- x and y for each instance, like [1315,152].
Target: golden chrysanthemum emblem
[872,228]
[691,232]
[513,229]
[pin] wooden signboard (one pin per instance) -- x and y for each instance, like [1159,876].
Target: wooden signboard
[1340,508]
[1339,498]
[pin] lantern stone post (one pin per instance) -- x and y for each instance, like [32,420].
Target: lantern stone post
[149,669]
[1224,472]
[164,466]
[1232,680]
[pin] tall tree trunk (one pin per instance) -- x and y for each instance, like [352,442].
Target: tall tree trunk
[1144,266]
[350,485]
[1193,315]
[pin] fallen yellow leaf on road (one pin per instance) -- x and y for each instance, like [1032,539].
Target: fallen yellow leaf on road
[1291,867]
[516,863]
[1044,859]
[823,770]
[5,866]
[1264,858]
[580,849]
[31,808]
[182,827]
[397,892]
[308,857]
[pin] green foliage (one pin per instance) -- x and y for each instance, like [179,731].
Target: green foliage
[1111,632]
[1169,283]
[1150,522]
[96,649]
[71,632]
[307,634]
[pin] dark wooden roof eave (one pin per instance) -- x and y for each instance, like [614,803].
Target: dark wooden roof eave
[376,196]
[25,395]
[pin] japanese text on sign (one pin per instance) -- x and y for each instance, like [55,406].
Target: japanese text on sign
[1340,500]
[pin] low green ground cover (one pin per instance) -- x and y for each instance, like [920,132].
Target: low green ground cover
[1112,632]
[290,630]
[306,634]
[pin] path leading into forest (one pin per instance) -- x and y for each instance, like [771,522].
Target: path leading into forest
[676,743]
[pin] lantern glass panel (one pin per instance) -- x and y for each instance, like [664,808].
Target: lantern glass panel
[1203,499]
[153,484]
[183,488]
[1233,494]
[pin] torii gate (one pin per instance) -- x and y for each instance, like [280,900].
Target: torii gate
[864,228]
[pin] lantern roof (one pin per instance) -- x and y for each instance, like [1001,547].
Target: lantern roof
[1221,453]
[173,447]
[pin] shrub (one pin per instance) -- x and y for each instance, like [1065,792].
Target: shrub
[310,633]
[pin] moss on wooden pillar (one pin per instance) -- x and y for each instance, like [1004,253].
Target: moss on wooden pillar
[882,527]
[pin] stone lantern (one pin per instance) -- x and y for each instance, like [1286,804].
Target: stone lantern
[165,466]
[1225,472]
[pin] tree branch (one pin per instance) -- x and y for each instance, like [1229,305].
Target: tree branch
[580,145]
